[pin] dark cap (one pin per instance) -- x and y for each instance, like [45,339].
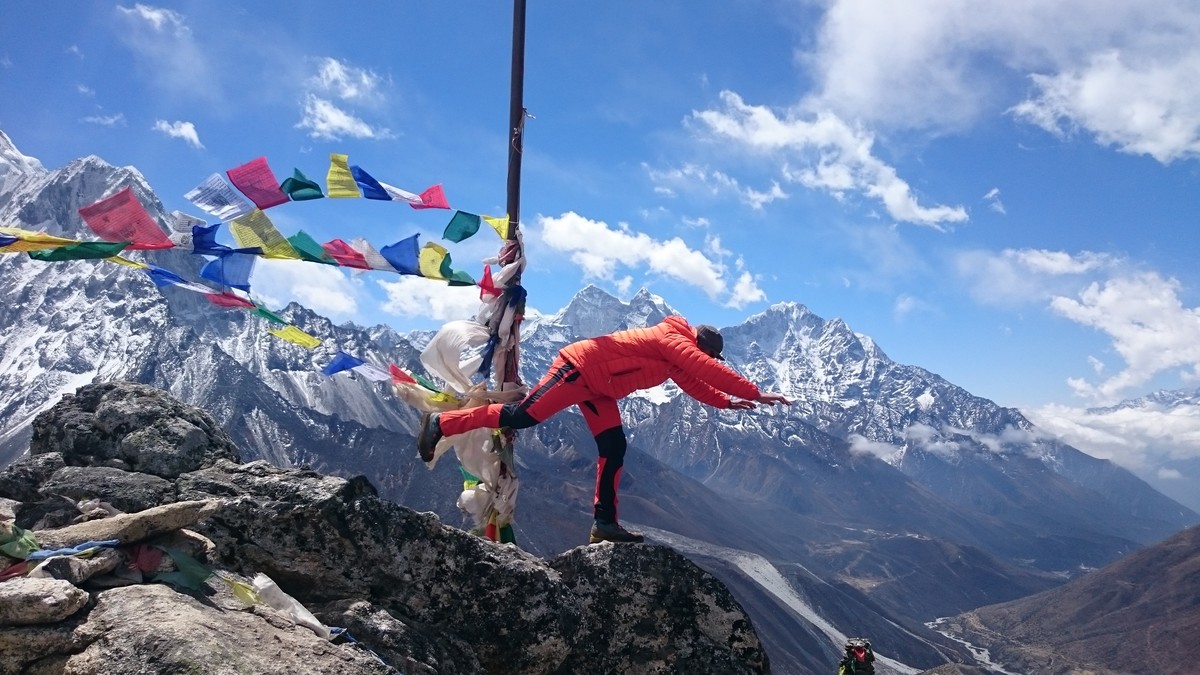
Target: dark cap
[709,339]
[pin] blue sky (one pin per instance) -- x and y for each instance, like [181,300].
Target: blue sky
[1002,193]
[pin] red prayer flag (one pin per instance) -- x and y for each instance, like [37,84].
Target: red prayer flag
[122,217]
[399,376]
[432,198]
[486,285]
[230,300]
[256,180]
[345,255]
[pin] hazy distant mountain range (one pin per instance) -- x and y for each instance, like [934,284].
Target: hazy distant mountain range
[884,498]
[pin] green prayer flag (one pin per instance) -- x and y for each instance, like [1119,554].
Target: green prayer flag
[459,278]
[84,250]
[16,542]
[461,226]
[309,249]
[452,276]
[191,574]
[300,188]
[268,314]
[424,382]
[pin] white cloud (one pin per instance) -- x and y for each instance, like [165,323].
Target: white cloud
[347,82]
[1150,328]
[74,50]
[694,179]
[907,304]
[834,156]
[993,199]
[1014,277]
[323,289]
[1121,70]
[420,297]
[160,19]
[105,120]
[600,250]
[85,90]
[860,445]
[930,440]
[1165,473]
[168,52]
[324,120]
[182,130]
[1140,438]
[1147,108]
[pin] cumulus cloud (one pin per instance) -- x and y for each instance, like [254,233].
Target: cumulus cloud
[1149,327]
[325,290]
[182,130]
[835,156]
[1149,108]
[600,250]
[417,297]
[325,120]
[345,81]
[335,86]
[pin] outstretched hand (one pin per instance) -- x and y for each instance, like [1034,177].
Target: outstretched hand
[772,399]
[746,404]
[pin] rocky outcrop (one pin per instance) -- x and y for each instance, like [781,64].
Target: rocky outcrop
[404,592]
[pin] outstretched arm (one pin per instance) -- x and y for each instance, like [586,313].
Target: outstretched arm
[768,399]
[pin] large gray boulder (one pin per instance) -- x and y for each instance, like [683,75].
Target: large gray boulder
[417,595]
[131,426]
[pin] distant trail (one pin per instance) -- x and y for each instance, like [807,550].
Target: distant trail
[762,572]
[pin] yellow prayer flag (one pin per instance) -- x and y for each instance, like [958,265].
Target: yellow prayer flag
[430,261]
[28,240]
[443,397]
[295,336]
[500,225]
[127,262]
[339,182]
[256,229]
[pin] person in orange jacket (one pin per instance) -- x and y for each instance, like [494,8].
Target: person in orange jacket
[594,374]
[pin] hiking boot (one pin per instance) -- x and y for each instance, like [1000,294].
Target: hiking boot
[602,531]
[428,436]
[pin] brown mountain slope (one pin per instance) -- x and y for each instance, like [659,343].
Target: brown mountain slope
[1139,615]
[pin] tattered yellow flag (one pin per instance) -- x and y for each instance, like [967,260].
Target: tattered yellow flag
[255,229]
[127,262]
[500,225]
[28,240]
[430,261]
[295,336]
[339,182]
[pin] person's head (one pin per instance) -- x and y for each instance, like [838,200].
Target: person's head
[709,340]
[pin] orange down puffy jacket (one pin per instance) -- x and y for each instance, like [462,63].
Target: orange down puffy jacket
[619,364]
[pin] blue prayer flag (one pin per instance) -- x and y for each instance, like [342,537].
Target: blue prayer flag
[403,255]
[162,277]
[231,269]
[341,361]
[371,189]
